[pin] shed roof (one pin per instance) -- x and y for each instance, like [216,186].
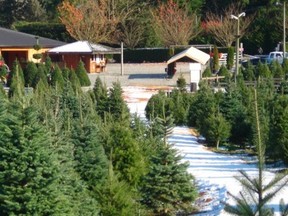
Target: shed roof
[11,38]
[84,47]
[192,53]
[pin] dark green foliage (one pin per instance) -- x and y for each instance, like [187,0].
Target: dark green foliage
[278,130]
[29,172]
[73,79]
[16,79]
[167,187]
[29,73]
[155,106]
[263,71]
[82,74]
[40,76]
[255,195]
[248,72]
[230,58]
[116,104]
[277,70]
[16,68]
[115,197]
[57,78]
[224,72]
[285,67]
[181,83]
[92,163]
[125,153]
[100,95]
[215,128]
[215,59]
[207,72]
[203,104]
[3,74]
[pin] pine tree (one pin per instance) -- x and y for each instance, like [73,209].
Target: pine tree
[82,74]
[16,89]
[167,187]
[255,195]
[115,196]
[30,73]
[16,68]
[215,59]
[57,78]
[117,106]
[230,58]
[73,79]
[29,172]
[207,72]
[92,163]
[40,75]
[100,95]
[181,83]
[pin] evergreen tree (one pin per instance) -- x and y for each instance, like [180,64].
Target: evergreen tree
[207,72]
[115,196]
[73,79]
[255,195]
[16,68]
[29,172]
[100,96]
[248,73]
[125,153]
[215,128]
[117,106]
[167,187]
[215,59]
[278,132]
[41,75]
[92,163]
[224,72]
[57,78]
[16,89]
[277,70]
[263,71]
[285,67]
[181,83]
[82,74]
[230,58]
[30,73]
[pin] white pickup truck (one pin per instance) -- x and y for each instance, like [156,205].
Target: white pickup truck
[275,56]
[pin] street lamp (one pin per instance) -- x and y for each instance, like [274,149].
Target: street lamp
[284,26]
[237,41]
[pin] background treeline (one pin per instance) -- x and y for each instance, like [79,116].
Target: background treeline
[31,16]
[224,113]
[68,152]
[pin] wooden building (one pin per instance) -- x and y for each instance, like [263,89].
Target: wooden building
[92,55]
[18,45]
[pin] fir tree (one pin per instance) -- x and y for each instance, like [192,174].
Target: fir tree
[215,59]
[16,68]
[115,196]
[168,188]
[16,89]
[41,75]
[30,73]
[29,172]
[255,195]
[181,83]
[82,74]
[117,106]
[57,78]
[73,79]
[100,96]
[230,58]
[207,72]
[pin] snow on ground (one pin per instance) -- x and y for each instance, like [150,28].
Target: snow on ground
[215,173]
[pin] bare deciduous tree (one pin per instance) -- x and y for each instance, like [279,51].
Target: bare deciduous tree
[174,25]
[88,20]
[223,27]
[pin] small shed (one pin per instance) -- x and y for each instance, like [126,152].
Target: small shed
[93,55]
[198,60]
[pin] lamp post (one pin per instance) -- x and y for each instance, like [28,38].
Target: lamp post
[284,26]
[237,41]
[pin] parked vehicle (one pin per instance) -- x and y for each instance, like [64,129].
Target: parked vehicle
[275,56]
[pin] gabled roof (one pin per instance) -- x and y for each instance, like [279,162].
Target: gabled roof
[84,47]
[192,53]
[10,38]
